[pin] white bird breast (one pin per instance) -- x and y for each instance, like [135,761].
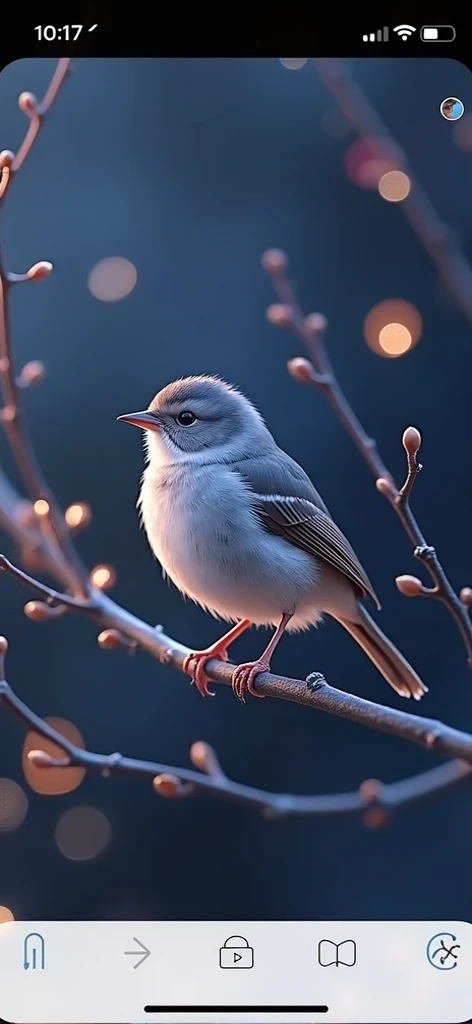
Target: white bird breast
[201,528]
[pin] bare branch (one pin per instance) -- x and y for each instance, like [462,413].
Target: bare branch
[317,371]
[436,238]
[373,800]
[313,692]
[50,517]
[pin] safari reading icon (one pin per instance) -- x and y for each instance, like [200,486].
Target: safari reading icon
[335,954]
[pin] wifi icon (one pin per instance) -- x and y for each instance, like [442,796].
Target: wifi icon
[404,31]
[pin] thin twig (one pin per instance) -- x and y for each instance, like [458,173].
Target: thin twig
[373,799]
[437,239]
[51,519]
[318,372]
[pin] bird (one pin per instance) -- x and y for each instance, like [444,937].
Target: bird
[238,527]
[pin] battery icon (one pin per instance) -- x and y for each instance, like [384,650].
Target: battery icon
[437,33]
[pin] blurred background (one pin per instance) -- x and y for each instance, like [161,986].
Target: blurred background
[154,189]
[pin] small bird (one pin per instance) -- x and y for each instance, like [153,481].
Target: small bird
[239,528]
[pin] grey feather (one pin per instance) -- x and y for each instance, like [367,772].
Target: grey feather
[289,505]
[275,472]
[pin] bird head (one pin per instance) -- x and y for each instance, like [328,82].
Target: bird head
[200,419]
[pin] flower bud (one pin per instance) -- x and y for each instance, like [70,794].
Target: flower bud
[3,646]
[411,440]
[301,369]
[166,785]
[279,314]
[27,103]
[6,158]
[38,611]
[40,758]
[274,261]
[40,271]
[316,322]
[203,757]
[113,640]
[32,373]
[370,790]
[466,596]
[386,487]
[409,586]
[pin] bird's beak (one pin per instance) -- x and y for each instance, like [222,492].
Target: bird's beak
[144,420]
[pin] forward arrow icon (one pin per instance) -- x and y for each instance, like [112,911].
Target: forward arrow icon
[143,952]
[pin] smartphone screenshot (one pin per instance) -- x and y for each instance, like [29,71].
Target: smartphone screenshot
[235,506]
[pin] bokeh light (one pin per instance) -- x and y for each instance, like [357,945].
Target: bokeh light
[112,279]
[13,805]
[394,186]
[6,915]
[52,781]
[368,160]
[82,833]
[293,63]
[395,339]
[103,576]
[392,327]
[78,514]
[41,507]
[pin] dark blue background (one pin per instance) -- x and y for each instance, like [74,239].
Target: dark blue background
[190,169]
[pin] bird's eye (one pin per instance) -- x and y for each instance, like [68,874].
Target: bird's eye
[186,419]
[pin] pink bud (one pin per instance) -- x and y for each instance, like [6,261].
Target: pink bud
[6,158]
[411,440]
[166,785]
[316,322]
[32,373]
[279,315]
[40,270]
[409,586]
[370,790]
[37,611]
[39,758]
[466,596]
[27,103]
[301,369]
[274,261]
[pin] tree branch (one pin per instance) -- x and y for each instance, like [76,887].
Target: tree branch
[317,371]
[50,516]
[436,238]
[374,801]
[41,532]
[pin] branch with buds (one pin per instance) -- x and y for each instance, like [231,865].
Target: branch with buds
[317,372]
[43,534]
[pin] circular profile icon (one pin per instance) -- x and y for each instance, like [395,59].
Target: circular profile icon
[452,108]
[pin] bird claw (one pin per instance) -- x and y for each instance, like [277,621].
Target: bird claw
[194,666]
[244,677]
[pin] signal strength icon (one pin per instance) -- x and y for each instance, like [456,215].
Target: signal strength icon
[404,31]
[380,36]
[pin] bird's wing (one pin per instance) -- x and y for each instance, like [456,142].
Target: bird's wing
[301,518]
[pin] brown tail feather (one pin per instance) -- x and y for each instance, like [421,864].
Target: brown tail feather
[385,656]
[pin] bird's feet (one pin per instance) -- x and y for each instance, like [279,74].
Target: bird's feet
[244,677]
[194,666]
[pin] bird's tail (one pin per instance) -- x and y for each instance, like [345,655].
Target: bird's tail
[385,656]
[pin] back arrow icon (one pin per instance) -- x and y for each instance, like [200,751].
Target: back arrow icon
[138,952]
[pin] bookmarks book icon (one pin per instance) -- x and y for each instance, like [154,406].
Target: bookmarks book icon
[335,954]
